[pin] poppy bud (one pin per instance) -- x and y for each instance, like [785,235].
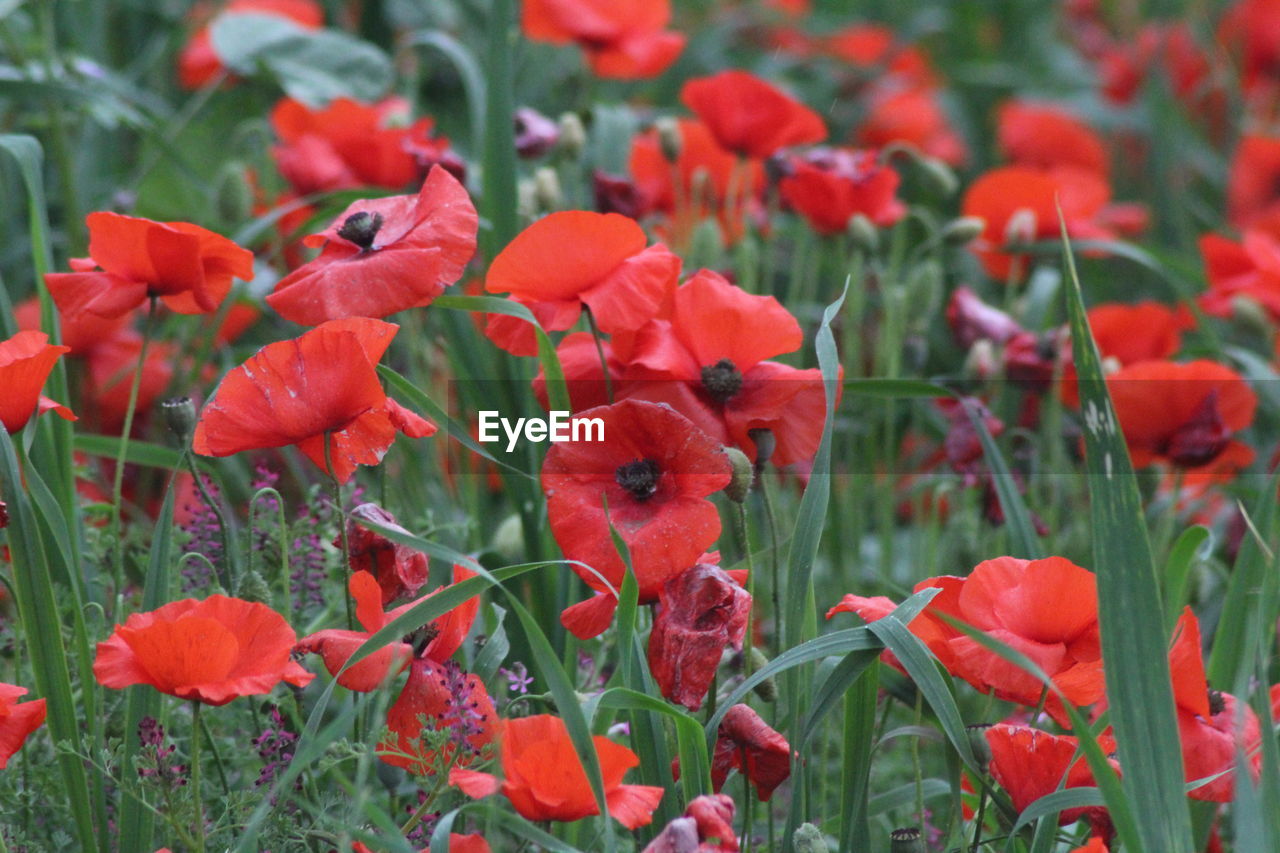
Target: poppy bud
[964,230]
[573,136]
[940,175]
[233,195]
[743,475]
[546,190]
[180,417]
[615,194]
[809,839]
[253,587]
[765,444]
[981,748]
[981,361]
[906,840]
[707,244]
[767,689]
[1021,227]
[863,233]
[924,289]
[508,539]
[669,139]
[1248,313]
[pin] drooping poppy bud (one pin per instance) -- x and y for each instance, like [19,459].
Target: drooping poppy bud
[699,613]
[399,570]
[743,475]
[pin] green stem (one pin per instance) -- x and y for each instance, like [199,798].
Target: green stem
[117,486]
[196,791]
[342,522]
[227,578]
[775,575]
[751,589]
[604,364]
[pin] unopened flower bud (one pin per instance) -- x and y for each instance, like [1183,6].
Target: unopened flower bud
[573,136]
[180,417]
[706,247]
[233,195]
[924,289]
[981,362]
[963,230]
[1248,313]
[939,175]
[253,587]
[767,689]
[906,840]
[978,744]
[863,233]
[809,839]
[508,539]
[765,444]
[1021,228]
[546,189]
[669,139]
[743,475]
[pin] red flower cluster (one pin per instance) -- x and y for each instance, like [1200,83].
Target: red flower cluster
[624,39]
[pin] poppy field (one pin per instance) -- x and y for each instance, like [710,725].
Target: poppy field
[667,426]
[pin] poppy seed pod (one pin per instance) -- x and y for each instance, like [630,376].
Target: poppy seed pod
[765,443]
[180,416]
[743,475]
[233,194]
[809,839]
[573,136]
[906,839]
[669,139]
[253,587]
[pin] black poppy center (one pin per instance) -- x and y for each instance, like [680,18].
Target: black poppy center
[722,380]
[639,477]
[1216,703]
[361,228]
[422,638]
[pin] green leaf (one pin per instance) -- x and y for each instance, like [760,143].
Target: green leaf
[1016,514]
[1177,571]
[312,66]
[1132,619]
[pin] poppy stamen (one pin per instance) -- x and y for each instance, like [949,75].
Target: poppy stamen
[639,477]
[1216,703]
[361,228]
[722,380]
[422,638]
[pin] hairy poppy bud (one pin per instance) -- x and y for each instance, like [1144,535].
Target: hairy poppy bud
[906,840]
[180,417]
[700,612]
[707,245]
[669,139]
[924,289]
[977,734]
[863,233]
[508,539]
[546,190]
[1021,227]
[767,689]
[573,136]
[233,195]
[743,475]
[940,175]
[253,587]
[809,839]
[964,230]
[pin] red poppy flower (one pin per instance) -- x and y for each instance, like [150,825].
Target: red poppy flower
[17,720]
[199,64]
[932,631]
[212,651]
[351,144]
[130,259]
[623,39]
[111,366]
[1029,763]
[912,115]
[383,255]
[449,699]
[827,186]
[1096,845]
[876,48]
[1207,720]
[709,363]
[400,570]
[1249,269]
[747,744]
[544,780]
[320,387]
[609,270]
[1183,414]
[81,333]
[1252,182]
[1043,136]
[1138,332]
[700,613]
[1033,196]
[750,117]
[655,469]
[26,360]
[436,641]
[705,827]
